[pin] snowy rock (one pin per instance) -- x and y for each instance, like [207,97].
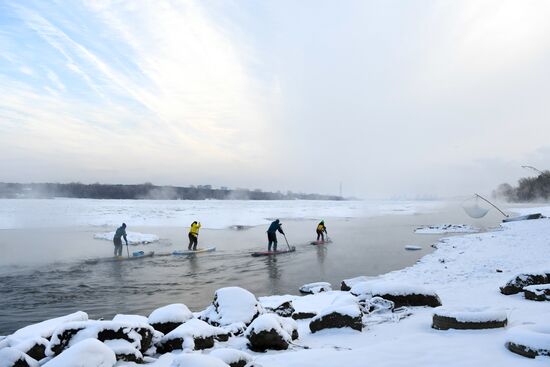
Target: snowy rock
[268,331]
[197,360]
[134,238]
[11,357]
[468,318]
[399,294]
[167,318]
[347,284]
[313,288]
[529,340]
[232,305]
[124,350]
[285,309]
[194,334]
[539,292]
[46,328]
[34,347]
[130,318]
[338,316]
[68,334]
[87,353]
[233,357]
[308,306]
[523,280]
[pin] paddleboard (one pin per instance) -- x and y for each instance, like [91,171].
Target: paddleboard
[192,252]
[320,242]
[134,256]
[269,253]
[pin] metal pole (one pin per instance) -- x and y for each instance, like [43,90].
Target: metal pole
[493,205]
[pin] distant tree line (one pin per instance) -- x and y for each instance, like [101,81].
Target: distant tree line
[528,189]
[146,191]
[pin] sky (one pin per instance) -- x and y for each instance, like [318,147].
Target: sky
[390,98]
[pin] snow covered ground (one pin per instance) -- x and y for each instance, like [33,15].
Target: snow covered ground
[21,213]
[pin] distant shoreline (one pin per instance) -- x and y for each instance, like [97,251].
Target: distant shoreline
[146,191]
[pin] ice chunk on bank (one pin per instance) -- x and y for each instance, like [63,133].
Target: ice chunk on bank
[134,238]
[312,288]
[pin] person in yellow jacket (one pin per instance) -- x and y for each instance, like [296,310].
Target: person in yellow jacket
[321,230]
[194,235]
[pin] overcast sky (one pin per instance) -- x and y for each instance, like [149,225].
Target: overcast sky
[437,98]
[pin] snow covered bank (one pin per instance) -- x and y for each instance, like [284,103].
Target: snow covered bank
[21,213]
[134,238]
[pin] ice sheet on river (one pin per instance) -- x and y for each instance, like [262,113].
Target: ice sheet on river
[20,213]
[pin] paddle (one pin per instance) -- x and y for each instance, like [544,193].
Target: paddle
[284,235]
[127,250]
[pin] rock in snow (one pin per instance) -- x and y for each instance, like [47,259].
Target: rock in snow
[313,288]
[468,318]
[529,340]
[338,316]
[399,294]
[520,281]
[232,305]
[69,334]
[87,353]
[539,292]
[167,318]
[348,283]
[233,357]
[194,334]
[11,357]
[268,332]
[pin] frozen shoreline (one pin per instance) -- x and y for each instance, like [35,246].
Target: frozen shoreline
[466,272]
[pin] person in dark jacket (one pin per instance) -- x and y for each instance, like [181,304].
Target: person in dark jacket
[117,239]
[272,234]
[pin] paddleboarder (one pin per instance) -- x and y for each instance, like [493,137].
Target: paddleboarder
[117,239]
[194,235]
[321,230]
[272,234]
